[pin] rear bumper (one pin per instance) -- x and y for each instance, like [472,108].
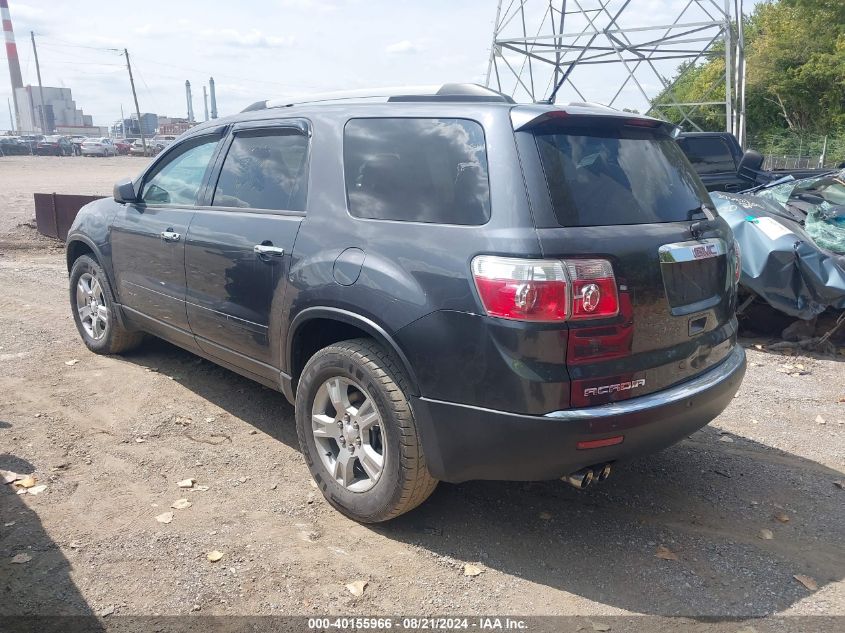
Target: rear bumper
[464,442]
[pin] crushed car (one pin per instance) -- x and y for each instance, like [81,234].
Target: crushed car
[791,235]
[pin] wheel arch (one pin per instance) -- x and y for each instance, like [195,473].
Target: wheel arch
[78,245]
[297,349]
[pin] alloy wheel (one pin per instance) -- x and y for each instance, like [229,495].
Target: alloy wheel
[349,433]
[91,306]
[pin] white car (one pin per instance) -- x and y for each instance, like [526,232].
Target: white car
[99,147]
[163,139]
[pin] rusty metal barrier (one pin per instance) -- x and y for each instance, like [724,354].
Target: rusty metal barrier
[55,212]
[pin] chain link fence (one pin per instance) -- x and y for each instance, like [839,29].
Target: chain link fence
[794,151]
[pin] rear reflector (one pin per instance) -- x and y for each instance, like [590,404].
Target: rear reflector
[546,290]
[608,441]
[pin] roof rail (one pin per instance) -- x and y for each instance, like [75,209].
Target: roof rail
[446,92]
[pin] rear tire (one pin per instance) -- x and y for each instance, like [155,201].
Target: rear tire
[368,374]
[93,307]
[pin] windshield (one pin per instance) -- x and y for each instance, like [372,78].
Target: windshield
[822,201]
[618,174]
[829,188]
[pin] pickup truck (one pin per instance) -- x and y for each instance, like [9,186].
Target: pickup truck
[723,166]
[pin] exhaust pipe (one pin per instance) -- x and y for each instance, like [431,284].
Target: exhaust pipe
[581,479]
[604,473]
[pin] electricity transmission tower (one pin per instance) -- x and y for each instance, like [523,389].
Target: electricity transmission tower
[620,52]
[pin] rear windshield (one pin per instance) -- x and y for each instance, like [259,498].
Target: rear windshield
[618,174]
[709,155]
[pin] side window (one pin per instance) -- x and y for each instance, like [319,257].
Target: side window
[179,180]
[708,155]
[265,169]
[417,170]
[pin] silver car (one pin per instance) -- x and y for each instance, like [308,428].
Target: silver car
[99,147]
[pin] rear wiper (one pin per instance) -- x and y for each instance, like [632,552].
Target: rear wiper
[700,210]
[701,225]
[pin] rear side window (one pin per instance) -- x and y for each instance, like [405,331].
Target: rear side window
[708,155]
[264,169]
[618,175]
[417,170]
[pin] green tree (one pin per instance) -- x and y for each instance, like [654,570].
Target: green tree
[795,54]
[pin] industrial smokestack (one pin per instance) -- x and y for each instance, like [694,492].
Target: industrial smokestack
[213,97]
[12,55]
[205,102]
[190,101]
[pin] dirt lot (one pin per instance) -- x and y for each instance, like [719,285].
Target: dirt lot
[111,437]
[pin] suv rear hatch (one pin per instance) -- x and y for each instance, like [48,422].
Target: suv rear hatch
[617,188]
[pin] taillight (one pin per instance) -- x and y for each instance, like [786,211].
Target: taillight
[523,289]
[593,288]
[737,262]
[545,290]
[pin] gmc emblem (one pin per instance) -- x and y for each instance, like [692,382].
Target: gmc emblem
[619,386]
[705,250]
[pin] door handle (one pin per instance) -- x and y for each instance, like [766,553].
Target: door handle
[170,236]
[265,251]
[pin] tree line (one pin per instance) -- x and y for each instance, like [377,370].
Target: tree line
[795,75]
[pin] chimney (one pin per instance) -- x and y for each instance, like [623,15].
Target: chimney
[12,55]
[213,97]
[190,100]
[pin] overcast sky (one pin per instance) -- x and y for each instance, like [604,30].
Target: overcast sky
[271,48]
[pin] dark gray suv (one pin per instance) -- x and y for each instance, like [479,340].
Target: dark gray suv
[448,285]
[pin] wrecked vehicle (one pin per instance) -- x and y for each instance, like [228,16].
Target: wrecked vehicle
[792,238]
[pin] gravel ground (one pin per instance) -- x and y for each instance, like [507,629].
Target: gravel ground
[110,437]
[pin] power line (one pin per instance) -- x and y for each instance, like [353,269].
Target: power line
[86,64]
[144,81]
[215,74]
[67,44]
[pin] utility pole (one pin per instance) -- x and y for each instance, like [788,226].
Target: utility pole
[135,97]
[44,129]
[122,123]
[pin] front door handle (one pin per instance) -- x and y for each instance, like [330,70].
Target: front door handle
[265,251]
[170,236]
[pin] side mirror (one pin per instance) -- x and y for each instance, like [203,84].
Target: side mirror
[124,191]
[750,164]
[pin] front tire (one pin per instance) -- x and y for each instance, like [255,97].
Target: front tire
[357,432]
[92,303]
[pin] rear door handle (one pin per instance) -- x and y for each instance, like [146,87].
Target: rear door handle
[170,236]
[266,251]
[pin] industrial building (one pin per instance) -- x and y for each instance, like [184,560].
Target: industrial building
[57,110]
[130,128]
[173,125]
